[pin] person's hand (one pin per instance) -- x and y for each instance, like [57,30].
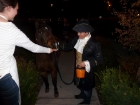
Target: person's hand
[55,49]
[81,65]
[52,50]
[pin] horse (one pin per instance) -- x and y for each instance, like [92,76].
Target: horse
[46,63]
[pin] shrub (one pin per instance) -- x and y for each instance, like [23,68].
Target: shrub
[29,81]
[117,89]
[130,65]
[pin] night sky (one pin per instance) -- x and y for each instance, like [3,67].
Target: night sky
[74,8]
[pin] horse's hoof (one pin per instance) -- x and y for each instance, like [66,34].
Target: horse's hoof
[47,90]
[56,95]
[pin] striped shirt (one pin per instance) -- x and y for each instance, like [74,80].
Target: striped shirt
[10,37]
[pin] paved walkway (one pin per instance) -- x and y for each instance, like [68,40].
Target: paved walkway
[66,92]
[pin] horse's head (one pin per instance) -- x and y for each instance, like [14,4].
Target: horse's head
[44,35]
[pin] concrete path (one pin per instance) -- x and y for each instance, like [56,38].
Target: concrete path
[66,92]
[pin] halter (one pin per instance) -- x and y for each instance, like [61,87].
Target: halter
[47,41]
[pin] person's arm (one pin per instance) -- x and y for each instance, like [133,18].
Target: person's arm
[22,40]
[97,57]
[94,60]
[69,46]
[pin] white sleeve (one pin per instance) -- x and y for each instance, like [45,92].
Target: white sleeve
[87,67]
[22,40]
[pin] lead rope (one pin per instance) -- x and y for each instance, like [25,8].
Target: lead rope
[56,60]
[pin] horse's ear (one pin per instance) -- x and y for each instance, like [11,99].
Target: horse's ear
[36,24]
[49,28]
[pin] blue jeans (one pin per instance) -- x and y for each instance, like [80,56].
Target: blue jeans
[9,91]
[86,94]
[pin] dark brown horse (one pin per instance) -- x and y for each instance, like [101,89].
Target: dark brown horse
[46,63]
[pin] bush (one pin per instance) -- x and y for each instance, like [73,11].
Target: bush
[29,81]
[130,65]
[117,89]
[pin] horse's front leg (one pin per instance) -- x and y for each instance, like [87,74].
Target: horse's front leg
[54,81]
[44,76]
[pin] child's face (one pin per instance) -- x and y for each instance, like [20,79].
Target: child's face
[82,34]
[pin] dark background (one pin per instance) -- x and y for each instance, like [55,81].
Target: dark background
[69,8]
[30,10]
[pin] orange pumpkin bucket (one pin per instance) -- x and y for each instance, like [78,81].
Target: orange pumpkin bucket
[80,72]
